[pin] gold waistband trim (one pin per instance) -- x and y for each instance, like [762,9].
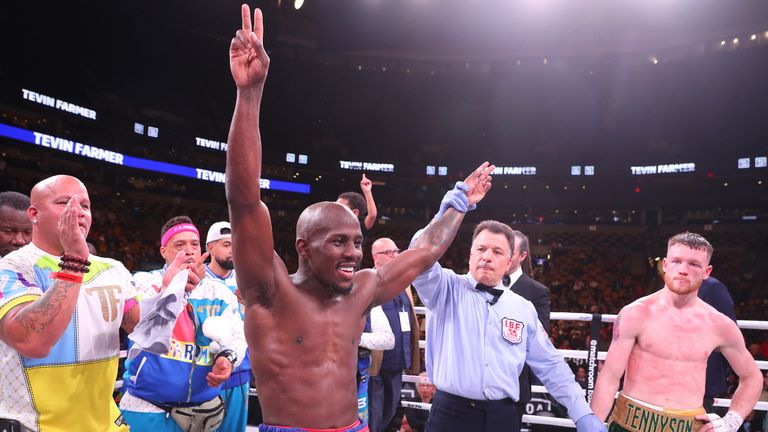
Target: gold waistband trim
[633,415]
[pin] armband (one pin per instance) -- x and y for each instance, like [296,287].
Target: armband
[78,279]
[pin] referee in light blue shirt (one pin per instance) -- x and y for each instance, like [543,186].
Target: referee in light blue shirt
[479,336]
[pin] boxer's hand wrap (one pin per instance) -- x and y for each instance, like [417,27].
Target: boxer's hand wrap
[457,199]
[730,423]
[590,423]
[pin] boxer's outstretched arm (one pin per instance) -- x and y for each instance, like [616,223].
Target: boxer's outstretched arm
[624,333]
[252,245]
[394,276]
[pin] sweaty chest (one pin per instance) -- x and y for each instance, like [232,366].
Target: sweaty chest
[310,328]
[325,325]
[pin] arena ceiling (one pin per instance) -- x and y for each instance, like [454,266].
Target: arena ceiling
[521,82]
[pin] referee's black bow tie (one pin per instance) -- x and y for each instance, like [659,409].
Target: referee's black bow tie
[496,293]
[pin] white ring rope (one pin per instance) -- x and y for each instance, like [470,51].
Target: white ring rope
[580,316]
[609,318]
[760,406]
[752,325]
[550,421]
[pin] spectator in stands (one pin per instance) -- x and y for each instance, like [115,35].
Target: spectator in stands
[764,343]
[496,333]
[384,388]
[235,391]
[581,376]
[61,309]
[15,225]
[416,418]
[754,349]
[166,390]
[363,206]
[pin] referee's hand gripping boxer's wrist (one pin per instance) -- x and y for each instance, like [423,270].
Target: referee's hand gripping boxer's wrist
[465,195]
[454,198]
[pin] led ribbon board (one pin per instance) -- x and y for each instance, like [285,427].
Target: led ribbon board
[505,170]
[663,169]
[367,166]
[211,144]
[58,104]
[80,149]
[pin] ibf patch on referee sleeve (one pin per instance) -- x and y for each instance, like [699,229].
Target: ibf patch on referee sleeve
[512,330]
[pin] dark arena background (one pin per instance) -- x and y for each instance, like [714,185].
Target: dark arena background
[613,125]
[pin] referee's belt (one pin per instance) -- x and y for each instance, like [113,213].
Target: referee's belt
[474,403]
[636,416]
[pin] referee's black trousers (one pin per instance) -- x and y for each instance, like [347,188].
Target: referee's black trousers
[451,413]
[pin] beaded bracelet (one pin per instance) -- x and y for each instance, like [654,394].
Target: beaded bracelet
[73,268]
[74,263]
[67,277]
[75,259]
[63,265]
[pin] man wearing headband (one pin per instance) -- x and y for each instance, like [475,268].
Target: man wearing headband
[61,310]
[306,326]
[235,391]
[177,390]
[662,342]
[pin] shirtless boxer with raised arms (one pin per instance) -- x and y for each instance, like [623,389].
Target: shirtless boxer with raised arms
[663,341]
[303,329]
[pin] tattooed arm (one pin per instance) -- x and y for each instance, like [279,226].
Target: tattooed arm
[427,249]
[131,318]
[432,243]
[625,330]
[33,328]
